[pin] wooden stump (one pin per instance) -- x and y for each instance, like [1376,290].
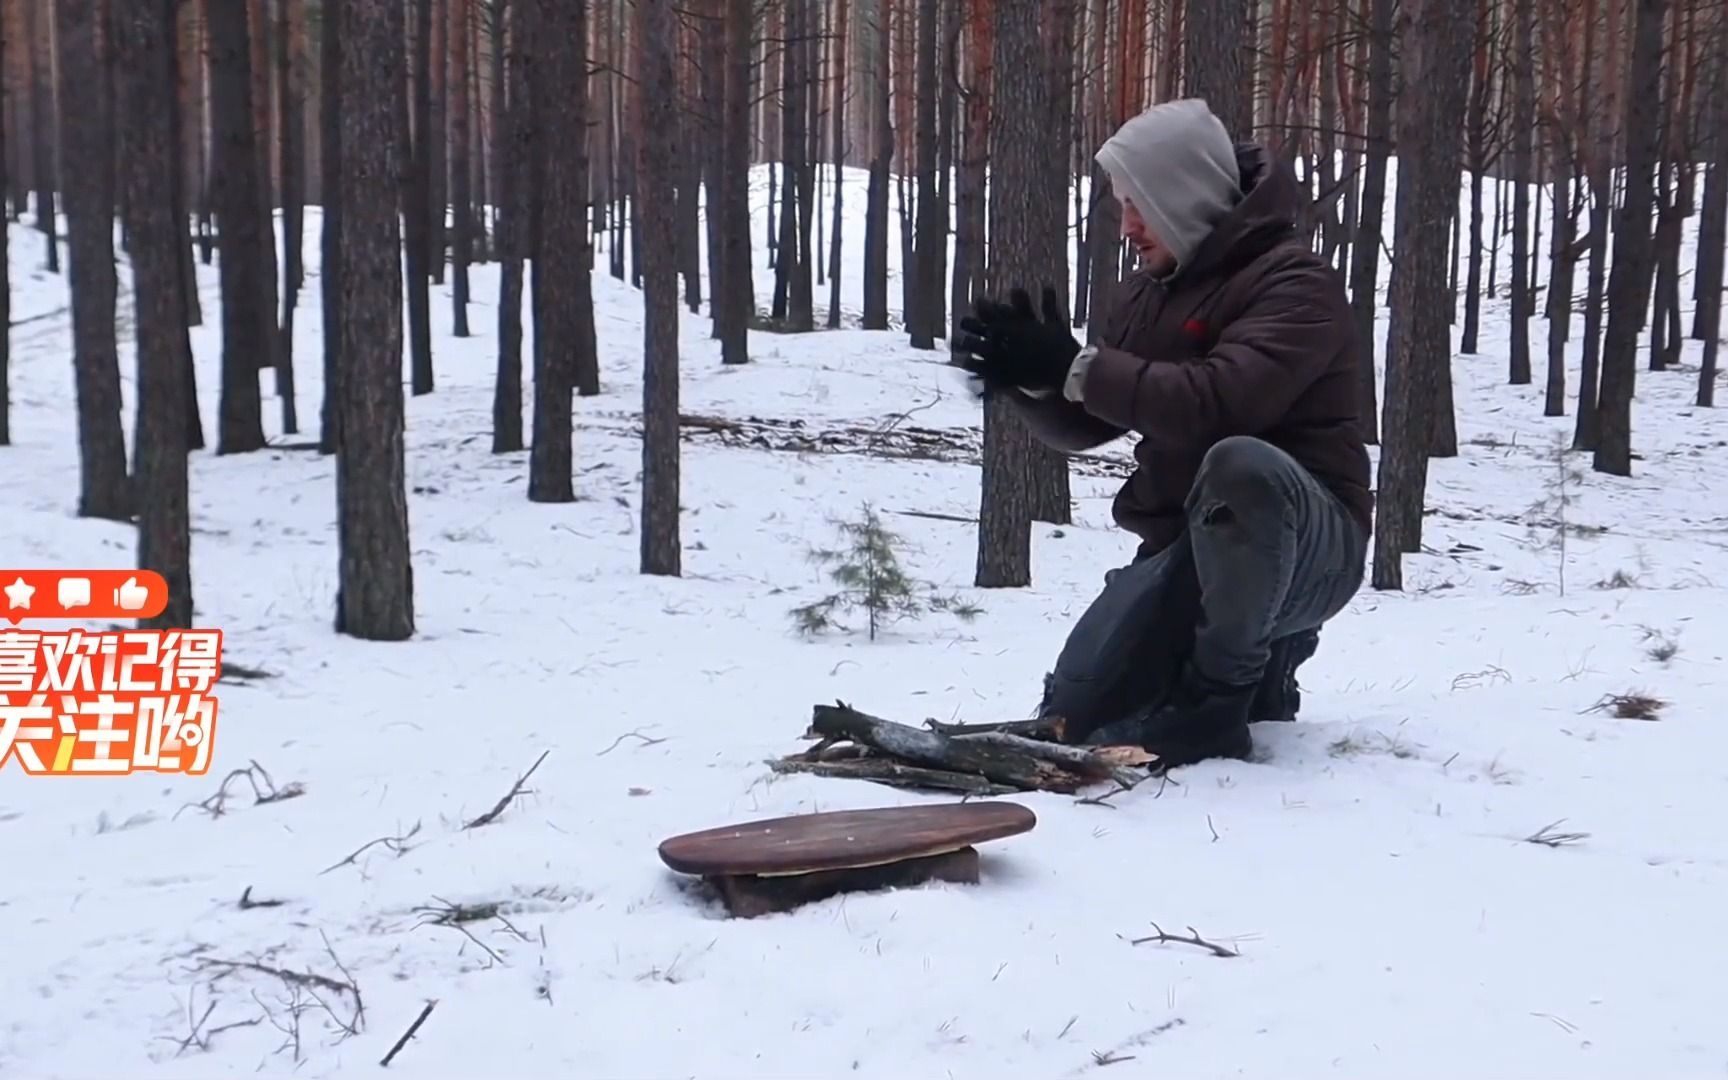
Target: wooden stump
[780,864]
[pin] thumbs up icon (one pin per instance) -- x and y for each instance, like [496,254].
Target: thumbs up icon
[131,596]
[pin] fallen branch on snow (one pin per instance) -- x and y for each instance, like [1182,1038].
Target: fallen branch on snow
[1161,938]
[509,796]
[974,759]
[396,845]
[409,1034]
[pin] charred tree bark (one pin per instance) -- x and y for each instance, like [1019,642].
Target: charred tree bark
[1215,49]
[461,204]
[881,160]
[263,135]
[291,102]
[969,188]
[1018,187]
[839,150]
[1365,266]
[1560,280]
[1437,36]
[659,142]
[1629,280]
[145,50]
[8,175]
[924,323]
[247,309]
[375,590]
[41,90]
[1713,225]
[514,133]
[563,303]
[330,272]
[714,120]
[437,154]
[1523,133]
[737,274]
[418,208]
[104,489]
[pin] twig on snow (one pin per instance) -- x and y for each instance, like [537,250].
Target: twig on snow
[247,903]
[217,805]
[646,741]
[1109,1057]
[1548,837]
[397,845]
[1193,938]
[409,1034]
[515,789]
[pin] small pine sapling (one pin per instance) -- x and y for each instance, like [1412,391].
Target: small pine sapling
[1548,515]
[867,569]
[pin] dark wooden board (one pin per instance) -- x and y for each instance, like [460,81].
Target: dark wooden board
[747,895]
[837,840]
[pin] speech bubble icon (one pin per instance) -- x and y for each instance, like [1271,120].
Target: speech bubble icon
[73,592]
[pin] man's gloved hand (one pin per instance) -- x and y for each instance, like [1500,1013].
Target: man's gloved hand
[1009,345]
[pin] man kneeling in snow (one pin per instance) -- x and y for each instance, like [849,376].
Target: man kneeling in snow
[1233,355]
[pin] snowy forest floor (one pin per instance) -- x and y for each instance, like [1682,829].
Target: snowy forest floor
[1371,863]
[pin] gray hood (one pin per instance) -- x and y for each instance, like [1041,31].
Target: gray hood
[1177,165]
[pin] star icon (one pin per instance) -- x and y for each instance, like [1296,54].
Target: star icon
[18,594]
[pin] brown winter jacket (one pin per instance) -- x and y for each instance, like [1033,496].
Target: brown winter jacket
[1253,335]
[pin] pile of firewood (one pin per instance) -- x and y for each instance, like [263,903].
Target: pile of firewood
[974,759]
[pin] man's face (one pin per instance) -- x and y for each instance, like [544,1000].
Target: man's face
[1154,256]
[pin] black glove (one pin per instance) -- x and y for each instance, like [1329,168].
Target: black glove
[1009,345]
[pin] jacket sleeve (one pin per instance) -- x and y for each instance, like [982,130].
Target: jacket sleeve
[1281,342]
[1062,425]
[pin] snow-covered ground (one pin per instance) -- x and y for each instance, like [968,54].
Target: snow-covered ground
[1370,863]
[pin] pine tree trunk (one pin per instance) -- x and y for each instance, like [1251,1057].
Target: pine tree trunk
[876,199]
[1476,158]
[563,303]
[513,136]
[1216,45]
[1560,280]
[1713,224]
[691,130]
[923,321]
[803,291]
[660,147]
[290,82]
[1629,279]
[840,152]
[263,127]
[330,271]
[461,201]
[247,309]
[437,156]
[1436,36]
[1523,134]
[418,208]
[969,193]
[788,262]
[41,90]
[714,121]
[8,176]
[145,49]
[1365,267]
[104,489]
[738,275]
[1018,185]
[375,583]
[1586,429]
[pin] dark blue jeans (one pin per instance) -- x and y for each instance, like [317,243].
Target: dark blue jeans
[1268,556]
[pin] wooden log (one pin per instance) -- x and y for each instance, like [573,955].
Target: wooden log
[749,895]
[1049,729]
[1077,759]
[894,774]
[1005,765]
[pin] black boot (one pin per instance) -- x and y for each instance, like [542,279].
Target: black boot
[1202,719]
[1279,696]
